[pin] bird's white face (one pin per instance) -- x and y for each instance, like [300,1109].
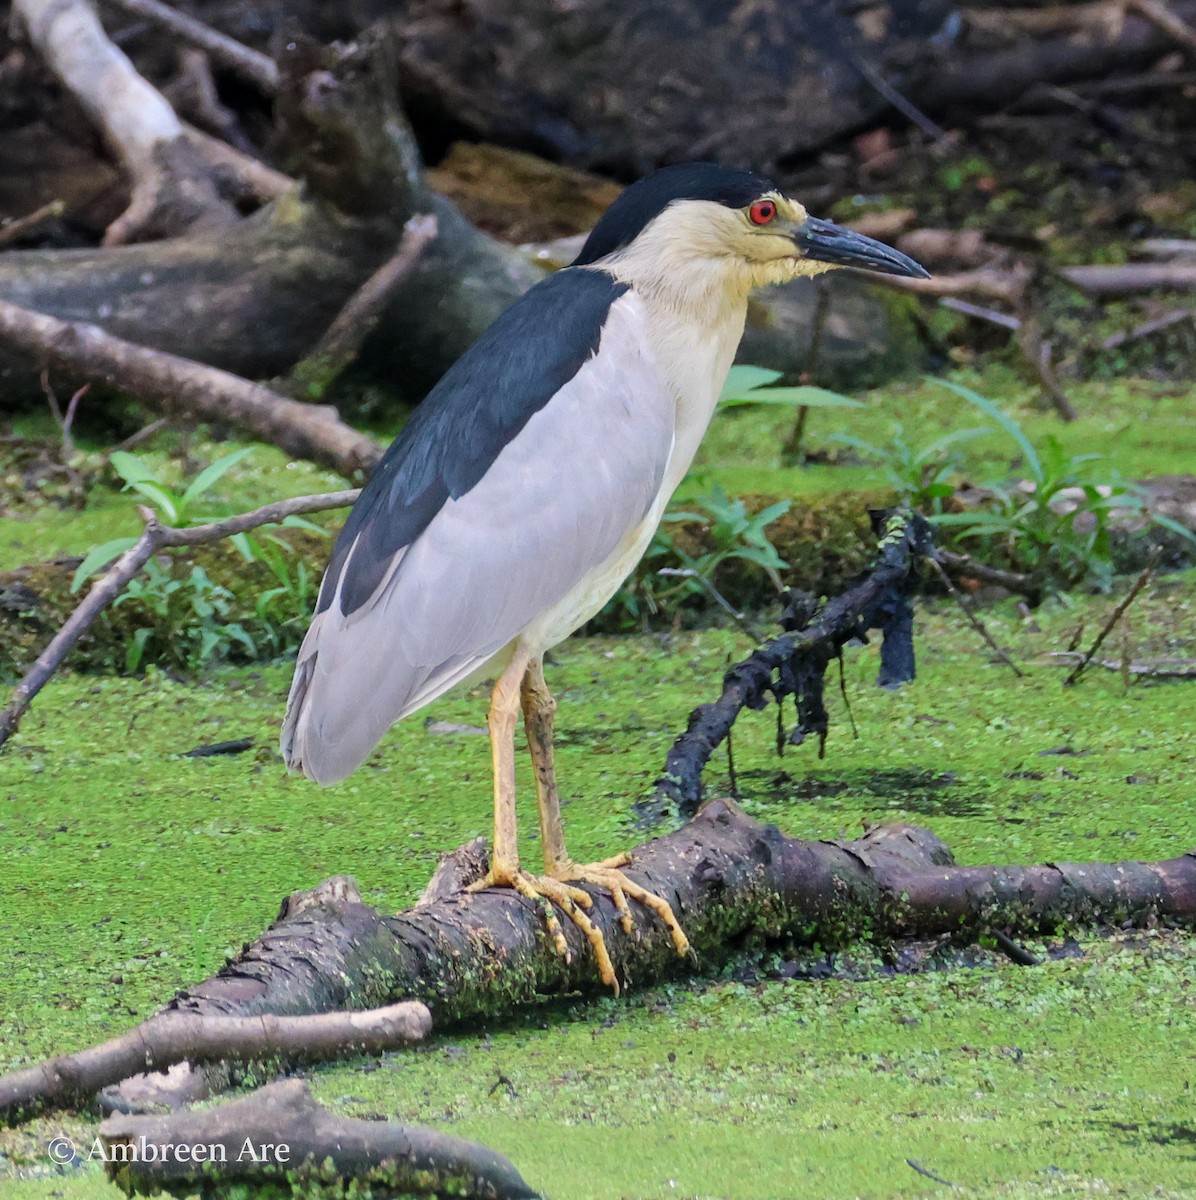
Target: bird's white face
[771,240]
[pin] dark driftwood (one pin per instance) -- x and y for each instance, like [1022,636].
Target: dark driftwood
[795,663]
[184,1037]
[281,1133]
[476,955]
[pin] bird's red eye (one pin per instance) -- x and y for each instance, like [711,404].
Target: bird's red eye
[762,211]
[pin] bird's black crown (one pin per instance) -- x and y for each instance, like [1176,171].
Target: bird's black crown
[623,222]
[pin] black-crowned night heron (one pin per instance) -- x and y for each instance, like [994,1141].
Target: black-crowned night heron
[530,481]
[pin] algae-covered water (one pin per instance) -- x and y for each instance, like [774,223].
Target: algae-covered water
[130,870]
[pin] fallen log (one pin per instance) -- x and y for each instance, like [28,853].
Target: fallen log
[478,955]
[253,297]
[281,1133]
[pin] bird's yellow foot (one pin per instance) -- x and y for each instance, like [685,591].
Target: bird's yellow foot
[546,891]
[606,874]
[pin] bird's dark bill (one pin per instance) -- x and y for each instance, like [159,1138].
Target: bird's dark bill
[826,242]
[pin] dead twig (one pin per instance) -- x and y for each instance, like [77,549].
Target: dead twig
[1142,668]
[973,620]
[738,617]
[14,230]
[964,565]
[154,538]
[929,1174]
[1174,26]
[991,315]
[193,93]
[1008,285]
[1143,579]
[1167,247]
[1037,350]
[178,1037]
[1013,951]
[258,69]
[343,339]
[1177,316]
[1125,279]
[183,387]
[887,91]
[135,439]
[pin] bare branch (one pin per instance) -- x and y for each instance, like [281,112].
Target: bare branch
[154,538]
[179,386]
[1174,26]
[1114,617]
[1127,278]
[259,69]
[343,339]
[972,619]
[177,1037]
[12,231]
[1177,316]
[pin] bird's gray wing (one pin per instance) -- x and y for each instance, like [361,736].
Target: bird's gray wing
[556,503]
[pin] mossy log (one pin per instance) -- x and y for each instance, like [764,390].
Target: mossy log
[474,955]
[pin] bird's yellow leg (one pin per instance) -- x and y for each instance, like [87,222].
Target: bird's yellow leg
[504,857]
[539,709]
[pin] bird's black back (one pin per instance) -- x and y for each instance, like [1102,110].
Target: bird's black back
[626,218]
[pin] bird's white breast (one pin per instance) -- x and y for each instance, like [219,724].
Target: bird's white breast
[692,353]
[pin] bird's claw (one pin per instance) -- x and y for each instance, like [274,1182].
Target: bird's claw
[546,890]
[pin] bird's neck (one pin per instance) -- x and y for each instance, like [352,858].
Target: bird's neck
[695,310]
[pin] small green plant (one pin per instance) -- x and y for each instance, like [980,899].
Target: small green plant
[284,609]
[668,574]
[1054,526]
[175,508]
[187,620]
[923,477]
[746,386]
[190,619]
